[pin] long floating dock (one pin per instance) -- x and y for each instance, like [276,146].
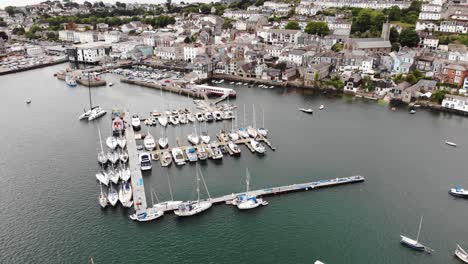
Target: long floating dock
[138,188]
[283,189]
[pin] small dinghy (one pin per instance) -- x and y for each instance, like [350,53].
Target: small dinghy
[459,191]
[321,107]
[28,101]
[450,143]
[307,111]
[412,112]
[461,254]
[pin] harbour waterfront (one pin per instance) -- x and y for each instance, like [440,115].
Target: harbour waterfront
[49,194]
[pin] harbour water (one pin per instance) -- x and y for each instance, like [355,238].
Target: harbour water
[49,210]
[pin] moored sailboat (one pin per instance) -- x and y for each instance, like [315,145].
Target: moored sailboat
[414,244]
[102,157]
[102,198]
[190,208]
[112,195]
[461,254]
[245,202]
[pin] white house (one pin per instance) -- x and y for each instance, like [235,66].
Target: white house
[279,36]
[190,52]
[453,27]
[85,37]
[165,53]
[307,8]
[362,4]
[66,35]
[34,50]
[423,25]
[430,15]
[114,36]
[88,53]
[455,102]
[296,56]
[431,42]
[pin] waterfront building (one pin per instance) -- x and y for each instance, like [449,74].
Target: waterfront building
[115,36]
[456,102]
[88,53]
[362,4]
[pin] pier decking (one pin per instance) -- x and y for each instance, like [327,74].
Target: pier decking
[139,196]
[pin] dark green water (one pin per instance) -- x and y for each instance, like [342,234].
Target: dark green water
[48,199]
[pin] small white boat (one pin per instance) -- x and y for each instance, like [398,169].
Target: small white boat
[111,84]
[450,143]
[252,132]
[85,115]
[205,138]
[162,120]
[215,151]
[125,174]
[461,254]
[136,123]
[243,133]
[125,194]
[200,117]
[209,117]
[217,115]
[459,191]
[113,195]
[414,244]
[145,161]
[113,157]
[103,178]
[123,157]
[70,81]
[149,142]
[28,101]
[174,119]
[190,118]
[412,111]
[163,142]
[183,119]
[318,262]
[178,156]
[202,153]
[122,142]
[96,113]
[114,176]
[262,131]
[191,154]
[147,215]
[102,157]
[321,107]
[111,142]
[233,136]
[166,159]
[257,146]
[193,138]
[308,111]
[234,148]
[102,198]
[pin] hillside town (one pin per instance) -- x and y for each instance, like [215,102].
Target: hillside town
[411,52]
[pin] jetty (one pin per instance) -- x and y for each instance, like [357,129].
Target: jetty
[168,87]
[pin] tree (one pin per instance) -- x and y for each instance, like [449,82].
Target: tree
[292,25]
[337,47]
[52,35]
[393,13]
[168,5]
[187,40]
[368,84]
[438,96]
[415,6]
[88,4]
[281,66]
[409,38]
[317,28]
[10,10]
[3,35]
[227,24]
[394,35]
[411,78]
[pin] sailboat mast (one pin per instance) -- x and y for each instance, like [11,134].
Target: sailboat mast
[170,187]
[198,187]
[263,118]
[419,229]
[100,140]
[253,117]
[89,92]
[247,179]
[243,123]
[204,183]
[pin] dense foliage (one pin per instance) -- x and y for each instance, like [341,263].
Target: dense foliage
[317,28]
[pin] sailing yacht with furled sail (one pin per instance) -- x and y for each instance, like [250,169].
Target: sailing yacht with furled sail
[125,194]
[111,142]
[102,198]
[193,138]
[102,157]
[112,195]
[246,201]
[251,130]
[262,130]
[414,244]
[163,140]
[148,142]
[233,135]
[103,177]
[190,208]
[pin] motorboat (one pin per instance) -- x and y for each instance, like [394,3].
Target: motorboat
[112,195]
[321,107]
[103,178]
[70,81]
[166,159]
[228,115]
[202,153]
[111,84]
[243,133]
[234,148]
[145,161]
[154,121]
[147,215]
[136,123]
[123,156]
[125,194]
[461,254]
[113,157]
[190,118]
[191,154]
[174,119]
[257,146]
[412,111]
[308,111]
[117,126]
[28,101]
[209,117]
[96,113]
[111,142]
[414,244]
[252,132]
[102,198]
[122,142]
[200,117]
[262,131]
[459,191]
[233,136]
[163,142]
[450,143]
[216,152]
[125,174]
[195,207]
[162,120]
[218,116]
[149,142]
[205,138]
[183,119]
[178,156]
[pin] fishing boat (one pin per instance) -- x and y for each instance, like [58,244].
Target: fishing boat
[102,157]
[113,157]
[321,107]
[461,254]
[247,201]
[148,142]
[103,178]
[205,138]
[459,191]
[102,198]
[190,208]
[111,142]
[308,111]
[123,156]
[193,138]
[234,148]
[122,142]
[125,174]
[166,159]
[202,153]
[216,152]
[178,156]
[257,146]
[414,244]
[163,120]
[145,161]
[200,117]
[136,123]
[125,194]
[70,81]
[96,113]
[147,215]
[113,195]
[117,127]
[450,143]
[191,154]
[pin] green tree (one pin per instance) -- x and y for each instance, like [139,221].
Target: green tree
[409,38]
[3,35]
[337,47]
[292,25]
[10,10]
[187,40]
[227,24]
[393,13]
[317,28]
[438,96]
[411,78]
[394,35]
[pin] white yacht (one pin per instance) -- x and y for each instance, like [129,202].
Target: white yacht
[102,157]
[96,113]
[202,153]
[111,142]
[215,151]
[113,157]
[217,115]
[123,156]
[200,117]
[178,156]
[191,154]
[263,131]
[174,119]
[183,119]
[452,144]
[125,194]
[257,146]
[147,215]
[125,174]
[252,132]
[190,117]
[162,120]
[103,178]
[234,148]
[114,175]
[321,107]
[166,159]
[194,207]
[145,161]
[246,201]
[102,198]
[205,138]
[193,138]
[459,191]
[136,123]
[414,244]
[307,111]
[243,133]
[122,142]
[163,142]
[112,195]
[148,142]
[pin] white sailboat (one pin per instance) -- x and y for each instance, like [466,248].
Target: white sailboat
[461,254]
[103,177]
[148,142]
[123,156]
[146,215]
[233,135]
[125,174]
[242,131]
[414,244]
[113,157]
[112,195]
[122,142]
[166,204]
[200,117]
[111,142]
[114,175]
[257,146]
[102,157]
[459,191]
[193,138]
[263,131]
[247,201]
[163,120]
[205,138]
[102,198]
[96,113]
[190,208]
[251,129]
[125,194]
[163,140]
